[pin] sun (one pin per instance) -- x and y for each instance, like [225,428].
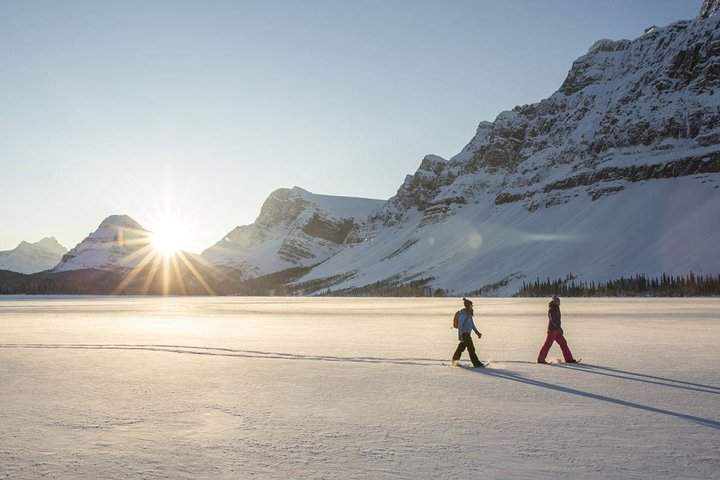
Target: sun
[164,263]
[162,260]
[169,237]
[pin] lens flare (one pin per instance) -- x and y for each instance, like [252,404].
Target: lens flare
[474,241]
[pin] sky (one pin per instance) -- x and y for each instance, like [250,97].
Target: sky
[193,112]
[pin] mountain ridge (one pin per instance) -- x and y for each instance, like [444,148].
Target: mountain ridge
[117,244]
[32,257]
[295,228]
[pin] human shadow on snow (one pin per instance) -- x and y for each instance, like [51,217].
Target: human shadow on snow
[511,376]
[633,376]
[641,377]
[425,362]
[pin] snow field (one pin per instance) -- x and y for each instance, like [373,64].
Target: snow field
[334,388]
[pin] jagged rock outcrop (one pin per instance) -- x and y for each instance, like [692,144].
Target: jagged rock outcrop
[627,111]
[709,8]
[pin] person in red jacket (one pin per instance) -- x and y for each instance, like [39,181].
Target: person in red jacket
[555,333]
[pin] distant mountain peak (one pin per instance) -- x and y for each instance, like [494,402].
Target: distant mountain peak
[295,228]
[32,257]
[299,190]
[112,246]
[51,244]
[120,221]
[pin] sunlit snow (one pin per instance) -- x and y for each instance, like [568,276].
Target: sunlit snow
[336,388]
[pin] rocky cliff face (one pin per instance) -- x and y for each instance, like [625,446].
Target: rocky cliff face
[628,111]
[32,257]
[709,8]
[294,228]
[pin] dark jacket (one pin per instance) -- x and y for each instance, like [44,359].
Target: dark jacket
[554,317]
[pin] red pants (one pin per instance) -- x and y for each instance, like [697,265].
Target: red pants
[555,336]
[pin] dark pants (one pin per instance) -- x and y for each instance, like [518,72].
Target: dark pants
[466,342]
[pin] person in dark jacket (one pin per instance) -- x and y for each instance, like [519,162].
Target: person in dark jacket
[555,333]
[466,326]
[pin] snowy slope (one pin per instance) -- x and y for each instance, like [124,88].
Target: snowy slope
[32,257]
[664,226]
[617,173]
[294,228]
[118,243]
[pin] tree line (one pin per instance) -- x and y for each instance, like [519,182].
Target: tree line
[690,285]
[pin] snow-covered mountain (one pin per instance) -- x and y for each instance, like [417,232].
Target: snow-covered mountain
[32,257]
[295,228]
[119,243]
[617,173]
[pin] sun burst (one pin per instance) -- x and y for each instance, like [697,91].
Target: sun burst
[169,237]
[162,264]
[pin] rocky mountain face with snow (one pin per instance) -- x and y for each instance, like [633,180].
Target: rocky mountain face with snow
[117,244]
[709,8]
[32,257]
[295,228]
[617,173]
[628,111]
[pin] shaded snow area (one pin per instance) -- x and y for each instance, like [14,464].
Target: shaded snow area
[651,228]
[330,388]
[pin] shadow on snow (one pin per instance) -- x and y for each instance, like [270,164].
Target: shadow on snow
[636,377]
[500,374]
[505,375]
[226,352]
[640,377]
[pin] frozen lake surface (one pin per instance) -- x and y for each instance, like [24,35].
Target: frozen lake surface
[333,388]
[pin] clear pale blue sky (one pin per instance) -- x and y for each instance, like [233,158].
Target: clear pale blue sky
[205,107]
